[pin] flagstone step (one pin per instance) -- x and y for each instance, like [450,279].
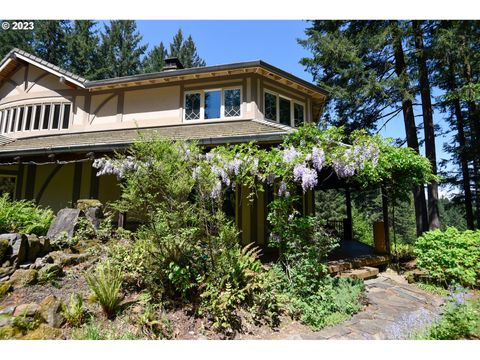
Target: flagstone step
[363,273]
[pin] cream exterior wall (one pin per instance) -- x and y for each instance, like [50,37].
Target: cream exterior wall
[142,106]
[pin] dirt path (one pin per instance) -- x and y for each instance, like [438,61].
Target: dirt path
[395,309]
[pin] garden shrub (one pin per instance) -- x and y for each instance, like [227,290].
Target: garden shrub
[460,320]
[106,283]
[450,256]
[23,216]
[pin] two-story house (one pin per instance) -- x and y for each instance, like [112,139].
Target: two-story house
[54,123]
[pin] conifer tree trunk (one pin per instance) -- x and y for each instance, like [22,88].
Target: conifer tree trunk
[474,117]
[421,218]
[462,151]
[430,151]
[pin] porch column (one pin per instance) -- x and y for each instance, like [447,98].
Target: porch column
[348,225]
[386,221]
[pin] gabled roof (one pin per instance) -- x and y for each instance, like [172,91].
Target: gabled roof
[9,63]
[207,134]
[16,55]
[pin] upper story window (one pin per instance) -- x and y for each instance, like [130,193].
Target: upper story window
[212,104]
[50,116]
[283,110]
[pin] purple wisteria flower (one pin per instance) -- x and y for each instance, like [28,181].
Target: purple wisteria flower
[291,217]
[318,158]
[290,154]
[221,173]
[270,178]
[307,176]
[115,167]
[196,172]
[216,191]
[234,166]
[282,189]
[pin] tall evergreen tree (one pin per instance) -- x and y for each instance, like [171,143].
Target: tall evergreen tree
[121,49]
[155,59]
[427,114]
[448,53]
[185,51]
[364,65]
[50,41]
[83,49]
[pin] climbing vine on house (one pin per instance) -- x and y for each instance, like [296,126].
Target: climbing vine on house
[187,249]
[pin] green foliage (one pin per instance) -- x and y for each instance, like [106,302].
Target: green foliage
[324,300]
[106,283]
[26,323]
[74,312]
[231,284]
[94,330]
[23,216]
[459,321]
[450,257]
[153,324]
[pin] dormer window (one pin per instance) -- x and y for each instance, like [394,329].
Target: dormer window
[212,104]
[50,116]
[283,110]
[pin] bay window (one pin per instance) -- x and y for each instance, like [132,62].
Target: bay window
[212,104]
[283,110]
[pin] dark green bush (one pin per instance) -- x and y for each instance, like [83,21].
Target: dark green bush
[450,256]
[23,216]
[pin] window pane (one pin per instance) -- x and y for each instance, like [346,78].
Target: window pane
[212,104]
[66,116]
[192,106]
[2,116]
[46,117]
[12,122]
[232,102]
[271,106]
[38,113]
[7,117]
[56,116]
[285,111]
[20,119]
[28,120]
[298,114]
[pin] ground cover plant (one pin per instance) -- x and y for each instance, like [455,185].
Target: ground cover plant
[23,216]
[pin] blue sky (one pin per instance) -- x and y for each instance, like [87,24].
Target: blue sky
[274,41]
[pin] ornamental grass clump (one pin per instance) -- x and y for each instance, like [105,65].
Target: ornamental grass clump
[105,282]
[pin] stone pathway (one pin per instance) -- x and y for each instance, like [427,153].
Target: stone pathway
[395,308]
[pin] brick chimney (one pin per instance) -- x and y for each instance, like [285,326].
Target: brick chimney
[172,63]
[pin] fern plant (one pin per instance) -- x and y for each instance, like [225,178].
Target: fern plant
[106,283]
[74,312]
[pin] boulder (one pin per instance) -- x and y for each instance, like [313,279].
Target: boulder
[5,287]
[46,247]
[50,271]
[93,210]
[5,321]
[34,248]
[21,278]
[50,310]
[63,259]
[26,265]
[7,311]
[64,222]
[43,332]
[28,310]
[41,262]
[6,271]
[3,249]
[18,244]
